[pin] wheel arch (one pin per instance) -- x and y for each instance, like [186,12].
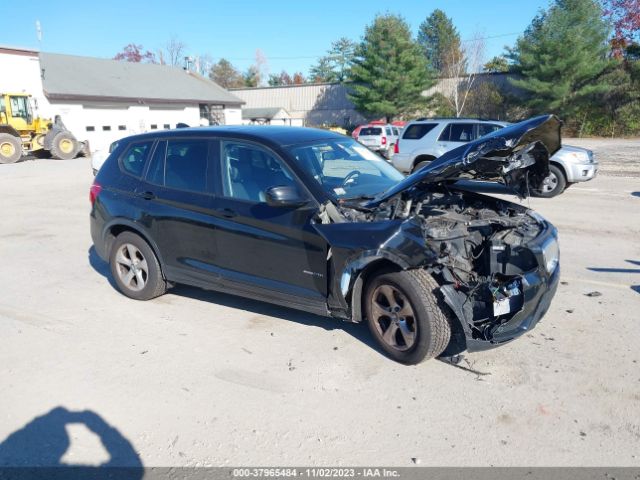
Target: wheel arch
[10,130]
[118,226]
[374,267]
[562,168]
[423,157]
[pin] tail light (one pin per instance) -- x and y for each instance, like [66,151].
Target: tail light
[384,140]
[94,191]
[396,148]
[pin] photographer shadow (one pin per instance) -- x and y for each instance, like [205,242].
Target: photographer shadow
[44,441]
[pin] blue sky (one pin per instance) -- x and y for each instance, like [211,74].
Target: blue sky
[290,33]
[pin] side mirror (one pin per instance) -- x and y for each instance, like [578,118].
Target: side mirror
[284,196]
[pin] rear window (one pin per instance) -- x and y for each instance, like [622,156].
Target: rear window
[457,132]
[487,128]
[417,130]
[371,131]
[135,157]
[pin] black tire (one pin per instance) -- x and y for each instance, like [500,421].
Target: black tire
[554,184]
[64,146]
[135,249]
[428,325]
[10,148]
[419,165]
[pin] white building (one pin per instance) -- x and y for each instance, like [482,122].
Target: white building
[102,100]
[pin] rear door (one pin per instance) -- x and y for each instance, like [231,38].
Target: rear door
[456,134]
[371,137]
[178,194]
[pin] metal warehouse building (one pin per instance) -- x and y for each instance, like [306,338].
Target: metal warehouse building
[306,105]
[101,100]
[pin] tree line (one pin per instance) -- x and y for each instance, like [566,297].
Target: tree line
[579,59]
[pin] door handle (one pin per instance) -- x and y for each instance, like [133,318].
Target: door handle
[147,195]
[227,212]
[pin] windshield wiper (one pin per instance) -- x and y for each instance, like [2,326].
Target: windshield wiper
[358,197]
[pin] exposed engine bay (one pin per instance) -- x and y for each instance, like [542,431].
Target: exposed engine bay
[478,247]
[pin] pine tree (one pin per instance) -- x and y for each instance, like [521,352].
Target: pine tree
[389,72]
[439,40]
[226,75]
[561,57]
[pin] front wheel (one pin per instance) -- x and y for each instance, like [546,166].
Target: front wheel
[405,316]
[10,148]
[135,268]
[554,184]
[64,146]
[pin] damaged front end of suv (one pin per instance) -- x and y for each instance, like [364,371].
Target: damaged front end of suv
[495,262]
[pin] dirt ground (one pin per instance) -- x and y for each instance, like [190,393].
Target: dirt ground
[201,378]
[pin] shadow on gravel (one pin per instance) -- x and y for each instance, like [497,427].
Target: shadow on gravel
[358,331]
[44,441]
[635,288]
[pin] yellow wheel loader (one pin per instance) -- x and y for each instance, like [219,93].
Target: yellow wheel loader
[23,133]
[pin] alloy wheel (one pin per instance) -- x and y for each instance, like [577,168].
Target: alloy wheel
[550,183]
[132,267]
[393,317]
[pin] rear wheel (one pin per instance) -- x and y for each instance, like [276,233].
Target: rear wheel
[405,316]
[419,165]
[135,268]
[554,184]
[64,146]
[10,148]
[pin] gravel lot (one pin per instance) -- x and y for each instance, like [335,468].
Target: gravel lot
[201,378]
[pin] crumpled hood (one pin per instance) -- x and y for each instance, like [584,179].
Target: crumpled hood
[517,156]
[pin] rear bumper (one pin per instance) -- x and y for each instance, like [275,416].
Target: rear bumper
[402,162]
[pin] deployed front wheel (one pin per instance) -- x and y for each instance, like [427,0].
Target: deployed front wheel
[405,317]
[135,268]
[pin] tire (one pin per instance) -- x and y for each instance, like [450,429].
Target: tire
[554,184]
[64,146]
[10,148]
[423,332]
[144,281]
[419,165]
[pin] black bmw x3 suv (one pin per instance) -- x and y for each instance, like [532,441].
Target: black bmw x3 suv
[313,220]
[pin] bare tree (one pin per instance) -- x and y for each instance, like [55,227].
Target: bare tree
[460,69]
[175,51]
[261,66]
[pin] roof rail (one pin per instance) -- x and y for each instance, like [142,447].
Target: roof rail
[424,119]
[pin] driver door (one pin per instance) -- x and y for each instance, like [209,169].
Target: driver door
[263,248]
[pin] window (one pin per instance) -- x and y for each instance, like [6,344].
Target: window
[457,132]
[186,165]
[3,107]
[135,157]
[370,131]
[418,130]
[344,168]
[396,132]
[155,174]
[154,126]
[19,107]
[106,128]
[122,127]
[389,131]
[167,126]
[90,128]
[487,128]
[248,171]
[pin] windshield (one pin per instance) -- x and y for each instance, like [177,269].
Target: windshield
[346,169]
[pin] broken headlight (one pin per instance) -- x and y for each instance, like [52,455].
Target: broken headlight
[551,254]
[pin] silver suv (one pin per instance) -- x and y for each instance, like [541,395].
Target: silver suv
[379,138]
[426,139]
